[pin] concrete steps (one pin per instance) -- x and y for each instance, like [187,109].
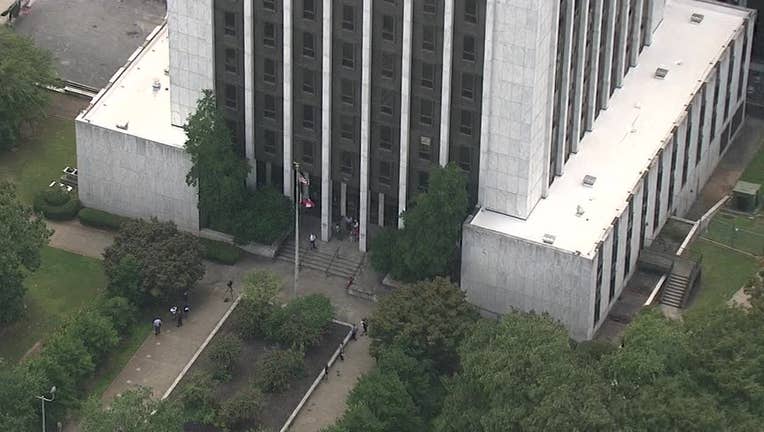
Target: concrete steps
[675,291]
[325,258]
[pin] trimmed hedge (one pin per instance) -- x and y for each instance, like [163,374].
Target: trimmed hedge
[220,252]
[56,204]
[101,219]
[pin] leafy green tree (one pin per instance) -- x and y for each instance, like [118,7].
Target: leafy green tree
[277,369]
[198,400]
[223,354]
[218,172]
[65,363]
[245,405]
[302,323]
[24,70]
[427,320]
[170,260]
[258,302]
[22,235]
[134,411]
[125,280]
[421,379]
[120,312]
[96,332]
[19,409]
[432,228]
[380,402]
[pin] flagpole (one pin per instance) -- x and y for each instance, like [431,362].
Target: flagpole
[297,188]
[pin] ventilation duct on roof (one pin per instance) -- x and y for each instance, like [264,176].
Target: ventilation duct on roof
[589,180]
[548,238]
[696,18]
[661,73]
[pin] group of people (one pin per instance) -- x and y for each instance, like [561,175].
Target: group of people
[348,225]
[354,336]
[177,314]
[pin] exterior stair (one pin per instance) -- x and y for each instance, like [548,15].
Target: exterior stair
[325,258]
[675,291]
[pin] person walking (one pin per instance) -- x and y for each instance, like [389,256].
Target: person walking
[186,310]
[353,332]
[228,291]
[365,326]
[326,372]
[185,297]
[342,353]
[157,326]
[180,319]
[312,239]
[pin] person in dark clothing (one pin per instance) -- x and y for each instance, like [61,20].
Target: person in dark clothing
[228,291]
[326,372]
[365,325]
[180,320]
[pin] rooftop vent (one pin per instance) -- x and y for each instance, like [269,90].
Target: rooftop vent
[589,180]
[579,211]
[661,73]
[157,85]
[548,238]
[696,18]
[123,126]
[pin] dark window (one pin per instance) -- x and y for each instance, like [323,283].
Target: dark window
[348,92]
[425,148]
[308,9]
[685,163]
[346,163]
[428,38]
[429,6]
[465,158]
[230,96]
[308,81]
[613,261]
[269,71]
[269,34]
[269,141]
[645,197]
[701,125]
[348,17]
[598,287]
[387,65]
[308,115]
[307,152]
[308,44]
[428,75]
[423,181]
[348,55]
[468,51]
[385,173]
[386,105]
[388,27]
[658,189]
[385,137]
[269,5]
[233,130]
[269,106]
[470,11]
[425,112]
[629,230]
[468,86]
[229,24]
[346,127]
[465,126]
[231,62]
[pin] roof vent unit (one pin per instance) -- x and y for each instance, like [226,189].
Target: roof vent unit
[579,211]
[156,85]
[589,180]
[548,238]
[661,73]
[123,126]
[696,18]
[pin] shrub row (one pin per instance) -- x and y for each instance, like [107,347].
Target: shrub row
[220,252]
[101,219]
[56,204]
[267,215]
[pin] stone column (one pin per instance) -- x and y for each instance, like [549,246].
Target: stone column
[403,165]
[287,33]
[326,123]
[445,94]
[365,123]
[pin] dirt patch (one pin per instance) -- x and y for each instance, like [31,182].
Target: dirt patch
[278,406]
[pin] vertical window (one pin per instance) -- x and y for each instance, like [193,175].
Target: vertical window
[348,17]
[348,92]
[388,27]
[428,75]
[428,38]
[230,96]
[308,9]
[425,148]
[468,86]
[385,173]
[385,137]
[464,158]
[231,61]
[629,230]
[465,125]
[598,287]
[308,81]
[658,188]
[346,162]
[346,127]
[613,261]
[308,117]
[423,181]
[425,112]
[645,198]
[386,104]
[701,124]
[308,45]
[348,55]
[269,71]
[269,141]
[686,162]
[470,11]
[307,152]
[468,49]
[269,5]
[429,7]
[269,106]
[387,65]
[269,34]
[229,24]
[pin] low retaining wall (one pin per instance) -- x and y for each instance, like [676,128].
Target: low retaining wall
[267,251]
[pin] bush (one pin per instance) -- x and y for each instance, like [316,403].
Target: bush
[257,303]
[220,252]
[382,250]
[301,323]
[267,216]
[223,354]
[277,369]
[198,399]
[245,405]
[101,219]
[56,204]
[95,331]
[120,311]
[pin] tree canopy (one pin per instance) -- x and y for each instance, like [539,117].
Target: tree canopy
[133,411]
[24,69]
[22,235]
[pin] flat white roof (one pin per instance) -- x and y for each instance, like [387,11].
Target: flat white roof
[628,135]
[131,97]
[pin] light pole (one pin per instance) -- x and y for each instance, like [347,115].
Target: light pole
[296,226]
[43,399]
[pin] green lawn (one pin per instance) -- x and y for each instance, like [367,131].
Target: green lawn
[117,360]
[754,173]
[64,283]
[41,158]
[724,272]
